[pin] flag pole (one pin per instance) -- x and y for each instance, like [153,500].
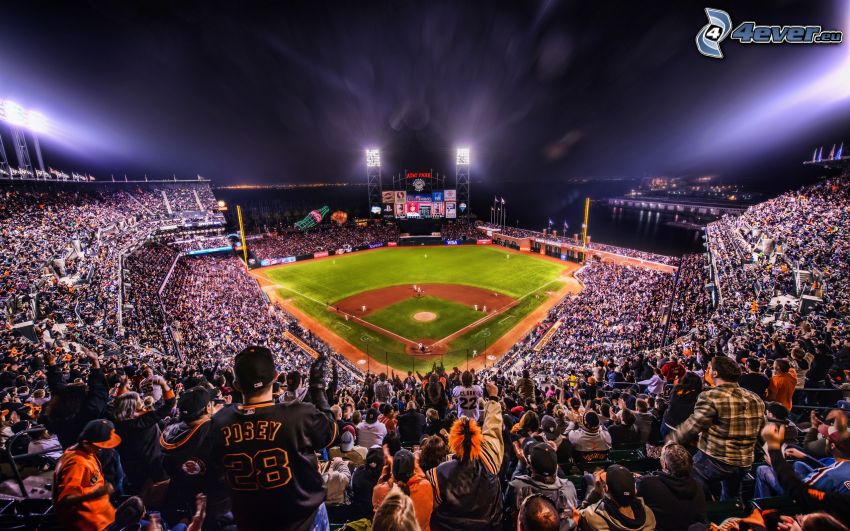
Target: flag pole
[242,232]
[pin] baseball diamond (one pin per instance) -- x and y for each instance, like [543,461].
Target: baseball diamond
[416,308]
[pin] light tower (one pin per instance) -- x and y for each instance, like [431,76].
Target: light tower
[373,180]
[37,124]
[15,115]
[462,181]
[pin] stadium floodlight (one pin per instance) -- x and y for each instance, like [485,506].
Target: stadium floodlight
[373,158]
[37,122]
[14,113]
[463,156]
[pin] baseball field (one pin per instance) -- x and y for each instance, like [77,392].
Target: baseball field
[408,307]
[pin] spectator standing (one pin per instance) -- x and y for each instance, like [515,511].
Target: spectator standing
[466,397]
[467,492]
[273,474]
[543,479]
[402,471]
[782,383]
[138,426]
[383,389]
[80,492]
[411,424]
[726,420]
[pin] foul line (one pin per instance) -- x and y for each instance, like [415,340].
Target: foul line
[405,340]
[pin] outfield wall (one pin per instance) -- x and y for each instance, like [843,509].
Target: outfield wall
[348,249]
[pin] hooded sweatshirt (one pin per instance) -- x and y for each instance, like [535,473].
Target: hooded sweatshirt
[186,460]
[677,502]
[604,516]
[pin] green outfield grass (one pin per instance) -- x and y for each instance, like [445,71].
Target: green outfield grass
[311,285]
[398,318]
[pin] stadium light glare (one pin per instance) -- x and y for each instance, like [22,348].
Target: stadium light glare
[14,113]
[373,158]
[463,156]
[37,122]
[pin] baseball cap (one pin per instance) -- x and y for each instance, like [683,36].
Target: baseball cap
[549,427]
[375,457]
[371,416]
[193,402]
[621,484]
[254,368]
[403,464]
[346,441]
[350,429]
[100,433]
[544,460]
[517,410]
[841,439]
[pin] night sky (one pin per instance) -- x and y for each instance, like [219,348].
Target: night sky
[266,92]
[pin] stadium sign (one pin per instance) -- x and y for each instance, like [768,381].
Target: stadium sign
[417,175]
[719,27]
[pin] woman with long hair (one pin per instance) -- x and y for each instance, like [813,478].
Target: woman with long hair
[402,471]
[138,425]
[396,513]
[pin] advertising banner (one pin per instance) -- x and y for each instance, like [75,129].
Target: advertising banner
[483,242]
[399,210]
[412,209]
[277,261]
[387,196]
[392,244]
[320,255]
[437,197]
[425,210]
[375,245]
[451,210]
[438,210]
[452,242]
[418,198]
[400,197]
[388,210]
[451,195]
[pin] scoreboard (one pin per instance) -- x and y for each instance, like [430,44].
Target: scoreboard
[419,200]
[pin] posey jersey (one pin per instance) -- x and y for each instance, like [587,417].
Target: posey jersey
[467,400]
[267,455]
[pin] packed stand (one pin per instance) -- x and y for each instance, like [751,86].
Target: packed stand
[325,238]
[622,251]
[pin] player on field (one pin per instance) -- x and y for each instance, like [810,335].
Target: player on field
[267,450]
[466,396]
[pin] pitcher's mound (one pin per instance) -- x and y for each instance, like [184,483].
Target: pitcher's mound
[424,316]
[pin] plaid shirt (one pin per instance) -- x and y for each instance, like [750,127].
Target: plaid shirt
[728,420]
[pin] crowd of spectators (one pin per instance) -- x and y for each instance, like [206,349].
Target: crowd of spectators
[323,238]
[459,230]
[552,237]
[601,424]
[619,309]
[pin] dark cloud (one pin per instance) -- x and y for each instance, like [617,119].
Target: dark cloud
[263,92]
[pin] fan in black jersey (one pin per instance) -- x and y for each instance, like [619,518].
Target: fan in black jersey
[267,450]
